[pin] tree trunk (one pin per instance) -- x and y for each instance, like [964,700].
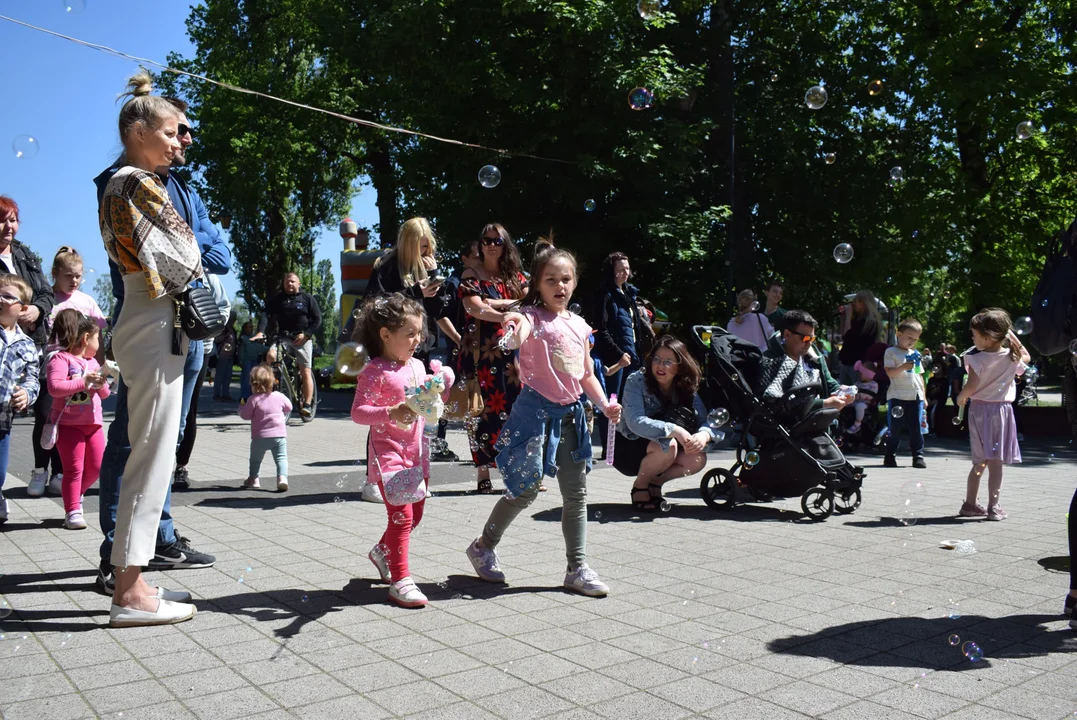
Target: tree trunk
[384,180]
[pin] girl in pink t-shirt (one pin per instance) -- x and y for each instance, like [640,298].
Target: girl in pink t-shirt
[77,387]
[990,393]
[546,432]
[391,328]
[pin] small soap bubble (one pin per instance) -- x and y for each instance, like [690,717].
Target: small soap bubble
[598,514]
[913,495]
[717,417]
[26,147]
[503,416]
[640,98]
[575,308]
[1025,130]
[980,42]
[972,651]
[74,6]
[1022,325]
[248,568]
[956,420]
[664,506]
[350,359]
[830,158]
[648,9]
[946,295]
[955,640]
[843,253]
[241,580]
[816,97]
[589,205]
[751,459]
[897,174]
[489,176]
[338,499]
[875,87]
[5,609]
[754,307]
[305,598]
[897,412]
[399,518]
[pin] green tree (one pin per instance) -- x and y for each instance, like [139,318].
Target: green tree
[102,290]
[324,289]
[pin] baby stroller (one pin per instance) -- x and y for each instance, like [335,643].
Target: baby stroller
[785,450]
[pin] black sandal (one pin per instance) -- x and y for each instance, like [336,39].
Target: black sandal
[485,487]
[647,505]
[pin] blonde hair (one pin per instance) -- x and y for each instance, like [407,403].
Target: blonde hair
[26,293]
[745,298]
[142,108]
[67,258]
[262,379]
[408,248]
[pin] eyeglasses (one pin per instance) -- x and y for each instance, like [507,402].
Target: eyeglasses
[65,249]
[487,241]
[185,130]
[10,299]
[664,363]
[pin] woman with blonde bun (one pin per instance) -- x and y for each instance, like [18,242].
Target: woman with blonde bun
[158,257]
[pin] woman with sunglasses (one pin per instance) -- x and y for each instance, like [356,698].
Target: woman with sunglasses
[663,433]
[486,291]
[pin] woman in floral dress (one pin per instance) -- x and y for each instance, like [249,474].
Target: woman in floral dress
[486,292]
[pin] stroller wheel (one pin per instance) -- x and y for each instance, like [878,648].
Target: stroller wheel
[718,489]
[818,503]
[847,501]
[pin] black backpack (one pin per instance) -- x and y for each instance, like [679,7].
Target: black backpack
[1053,313]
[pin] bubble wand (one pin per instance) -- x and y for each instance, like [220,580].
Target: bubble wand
[611,435]
[960,417]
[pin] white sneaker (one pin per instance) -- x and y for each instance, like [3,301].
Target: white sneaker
[38,479]
[372,493]
[3,509]
[282,484]
[486,562]
[251,483]
[406,594]
[75,520]
[377,556]
[56,485]
[168,613]
[585,581]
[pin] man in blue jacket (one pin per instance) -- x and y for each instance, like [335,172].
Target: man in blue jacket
[173,551]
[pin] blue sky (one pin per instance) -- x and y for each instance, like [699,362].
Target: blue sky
[64,95]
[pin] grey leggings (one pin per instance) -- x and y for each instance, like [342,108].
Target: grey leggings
[572,479]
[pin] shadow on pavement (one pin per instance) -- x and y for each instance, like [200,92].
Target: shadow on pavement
[895,522]
[932,643]
[48,620]
[612,512]
[1057,563]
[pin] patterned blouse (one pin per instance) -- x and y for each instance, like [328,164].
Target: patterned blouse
[143,233]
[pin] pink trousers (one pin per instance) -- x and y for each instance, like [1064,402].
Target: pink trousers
[81,448]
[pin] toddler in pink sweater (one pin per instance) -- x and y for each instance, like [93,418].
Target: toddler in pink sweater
[388,398]
[74,377]
[267,411]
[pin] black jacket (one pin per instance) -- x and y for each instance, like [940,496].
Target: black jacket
[617,320]
[291,314]
[29,269]
[385,280]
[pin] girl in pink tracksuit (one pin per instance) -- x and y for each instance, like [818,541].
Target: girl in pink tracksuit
[391,328]
[77,387]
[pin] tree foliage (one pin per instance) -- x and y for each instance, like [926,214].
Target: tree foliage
[102,291]
[722,185]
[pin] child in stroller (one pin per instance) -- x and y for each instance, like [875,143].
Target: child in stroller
[785,450]
[860,419]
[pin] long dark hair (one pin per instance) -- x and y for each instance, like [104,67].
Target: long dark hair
[607,267]
[545,253]
[687,381]
[69,327]
[509,265]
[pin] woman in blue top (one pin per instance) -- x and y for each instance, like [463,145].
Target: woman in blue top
[662,432]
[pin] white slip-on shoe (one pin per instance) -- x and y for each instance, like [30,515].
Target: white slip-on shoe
[168,613]
[176,596]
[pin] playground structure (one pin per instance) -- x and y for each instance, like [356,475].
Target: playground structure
[356,265]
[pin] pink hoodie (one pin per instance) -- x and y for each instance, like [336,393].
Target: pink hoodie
[65,374]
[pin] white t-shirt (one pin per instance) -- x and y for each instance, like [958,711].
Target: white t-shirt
[907,385]
[9,262]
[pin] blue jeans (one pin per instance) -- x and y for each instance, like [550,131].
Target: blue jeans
[5,446]
[910,421]
[113,464]
[191,367]
[245,379]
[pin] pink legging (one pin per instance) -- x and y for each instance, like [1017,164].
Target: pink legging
[81,448]
[397,537]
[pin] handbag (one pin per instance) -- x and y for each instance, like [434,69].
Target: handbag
[465,398]
[200,316]
[404,487]
[51,430]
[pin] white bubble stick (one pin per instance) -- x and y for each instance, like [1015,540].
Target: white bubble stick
[611,435]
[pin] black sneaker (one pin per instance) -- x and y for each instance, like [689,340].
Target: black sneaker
[179,556]
[444,456]
[304,411]
[890,461]
[918,462]
[106,581]
[181,479]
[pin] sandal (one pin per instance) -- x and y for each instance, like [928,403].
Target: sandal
[655,489]
[647,505]
[485,487]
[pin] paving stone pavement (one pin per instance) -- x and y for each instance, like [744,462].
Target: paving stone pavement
[751,614]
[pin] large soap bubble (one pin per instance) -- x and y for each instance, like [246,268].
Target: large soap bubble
[489,176]
[816,97]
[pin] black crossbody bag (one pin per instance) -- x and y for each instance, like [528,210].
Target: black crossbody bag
[196,315]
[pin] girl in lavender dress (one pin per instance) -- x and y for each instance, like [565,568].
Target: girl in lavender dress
[989,393]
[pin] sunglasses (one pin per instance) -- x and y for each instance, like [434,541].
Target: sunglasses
[65,249]
[184,130]
[486,241]
[805,338]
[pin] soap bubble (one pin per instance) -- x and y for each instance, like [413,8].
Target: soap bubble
[350,358]
[338,499]
[913,495]
[956,420]
[875,87]
[503,416]
[26,147]
[774,77]
[5,609]
[717,417]
[751,459]
[598,514]
[897,174]
[648,9]
[816,97]
[305,598]
[489,176]
[664,506]
[843,253]
[575,308]
[1022,325]
[589,205]
[972,651]
[955,640]
[640,98]
[754,307]
[897,412]
[399,518]
[980,42]
[74,6]
[1024,130]
[830,158]
[1073,348]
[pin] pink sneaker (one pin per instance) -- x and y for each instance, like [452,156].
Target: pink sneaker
[996,513]
[972,510]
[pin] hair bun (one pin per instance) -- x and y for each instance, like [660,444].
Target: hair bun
[139,84]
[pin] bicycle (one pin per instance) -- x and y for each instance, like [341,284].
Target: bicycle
[289,379]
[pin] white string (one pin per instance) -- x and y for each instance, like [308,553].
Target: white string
[367,123]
